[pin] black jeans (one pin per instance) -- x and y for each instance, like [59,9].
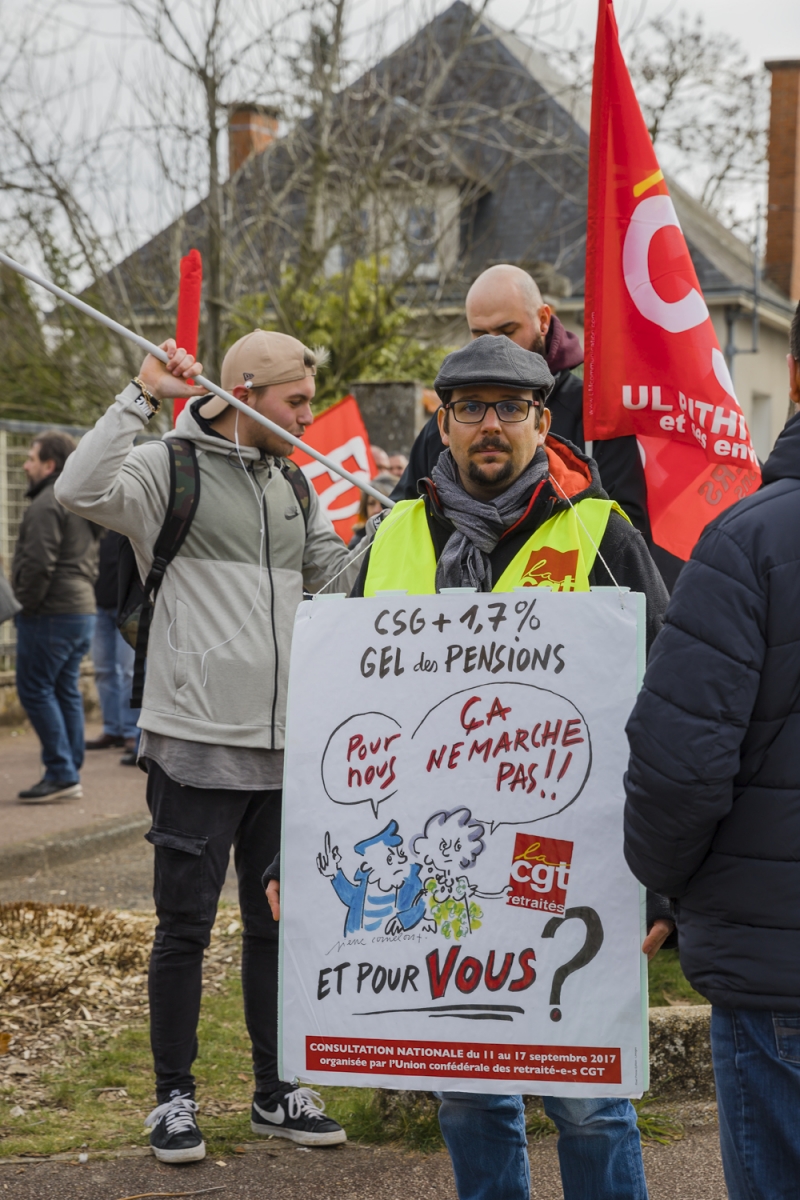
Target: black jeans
[193,831]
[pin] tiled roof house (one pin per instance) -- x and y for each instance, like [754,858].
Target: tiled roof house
[481,126]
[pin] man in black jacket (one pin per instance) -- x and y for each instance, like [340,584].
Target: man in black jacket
[53,574]
[713,807]
[505,300]
[503,479]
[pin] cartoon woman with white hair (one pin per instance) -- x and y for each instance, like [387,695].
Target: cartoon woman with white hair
[449,844]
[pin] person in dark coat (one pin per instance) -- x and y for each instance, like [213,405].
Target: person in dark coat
[113,659]
[370,507]
[505,300]
[53,574]
[713,807]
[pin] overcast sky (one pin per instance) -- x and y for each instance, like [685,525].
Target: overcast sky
[767,29]
[102,35]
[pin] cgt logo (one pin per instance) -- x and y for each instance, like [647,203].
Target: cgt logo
[540,873]
[555,568]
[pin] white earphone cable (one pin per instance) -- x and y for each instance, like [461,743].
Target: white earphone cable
[203,654]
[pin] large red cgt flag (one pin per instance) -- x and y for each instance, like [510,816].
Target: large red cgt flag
[653,363]
[339,433]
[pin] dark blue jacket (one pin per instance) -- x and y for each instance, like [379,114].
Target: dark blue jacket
[713,785]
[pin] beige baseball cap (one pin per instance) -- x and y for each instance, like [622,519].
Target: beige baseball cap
[258,359]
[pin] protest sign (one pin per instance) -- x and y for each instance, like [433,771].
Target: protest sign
[339,433]
[456,907]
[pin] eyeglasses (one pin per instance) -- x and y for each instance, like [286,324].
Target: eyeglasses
[472,412]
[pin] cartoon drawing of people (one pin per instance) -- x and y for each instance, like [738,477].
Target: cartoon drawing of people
[384,888]
[450,842]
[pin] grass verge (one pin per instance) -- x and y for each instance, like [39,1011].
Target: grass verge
[668,984]
[98,1096]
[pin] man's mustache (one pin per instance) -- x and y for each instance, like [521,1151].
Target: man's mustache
[490,443]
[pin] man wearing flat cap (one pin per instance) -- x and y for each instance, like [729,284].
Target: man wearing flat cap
[214,704]
[508,504]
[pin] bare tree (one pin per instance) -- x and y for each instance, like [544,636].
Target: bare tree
[706,108]
[199,56]
[369,214]
[357,219]
[703,101]
[54,184]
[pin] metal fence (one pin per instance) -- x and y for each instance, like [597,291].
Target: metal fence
[15,439]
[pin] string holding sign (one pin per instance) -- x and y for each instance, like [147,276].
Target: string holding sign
[203,382]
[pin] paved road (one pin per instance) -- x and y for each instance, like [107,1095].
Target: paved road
[122,878]
[687,1170]
[109,790]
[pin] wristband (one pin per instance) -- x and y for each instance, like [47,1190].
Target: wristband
[146,402]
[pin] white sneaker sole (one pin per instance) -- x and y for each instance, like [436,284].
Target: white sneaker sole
[188,1154]
[74,792]
[300,1136]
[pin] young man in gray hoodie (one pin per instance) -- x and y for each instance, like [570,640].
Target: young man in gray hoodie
[214,705]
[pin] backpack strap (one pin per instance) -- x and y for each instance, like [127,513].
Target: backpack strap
[299,484]
[184,496]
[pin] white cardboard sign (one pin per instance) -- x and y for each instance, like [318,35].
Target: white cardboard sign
[456,908]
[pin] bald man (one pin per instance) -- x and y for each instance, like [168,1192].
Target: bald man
[505,300]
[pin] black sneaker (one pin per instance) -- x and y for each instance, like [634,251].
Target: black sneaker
[298,1114]
[46,790]
[175,1137]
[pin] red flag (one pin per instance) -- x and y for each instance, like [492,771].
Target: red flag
[653,363]
[341,434]
[187,325]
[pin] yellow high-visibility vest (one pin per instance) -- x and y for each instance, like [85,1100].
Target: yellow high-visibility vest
[559,554]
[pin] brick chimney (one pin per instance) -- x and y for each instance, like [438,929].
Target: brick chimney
[782,260]
[251,128]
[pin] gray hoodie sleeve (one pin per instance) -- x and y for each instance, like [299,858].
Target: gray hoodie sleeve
[326,559]
[116,484]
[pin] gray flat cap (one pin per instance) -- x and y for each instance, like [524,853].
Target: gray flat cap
[494,360]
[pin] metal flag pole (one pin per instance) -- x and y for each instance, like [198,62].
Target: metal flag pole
[158,353]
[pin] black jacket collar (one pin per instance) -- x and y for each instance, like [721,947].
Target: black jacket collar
[35,489]
[784,461]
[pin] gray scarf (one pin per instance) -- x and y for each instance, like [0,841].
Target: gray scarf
[479,525]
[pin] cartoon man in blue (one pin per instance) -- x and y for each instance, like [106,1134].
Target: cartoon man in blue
[384,888]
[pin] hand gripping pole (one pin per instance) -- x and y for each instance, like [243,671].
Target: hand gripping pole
[158,353]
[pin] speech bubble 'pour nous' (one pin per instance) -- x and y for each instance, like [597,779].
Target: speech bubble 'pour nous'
[359,765]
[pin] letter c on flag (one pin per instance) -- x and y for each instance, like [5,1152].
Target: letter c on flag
[650,215]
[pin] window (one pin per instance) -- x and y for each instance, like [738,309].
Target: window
[761,424]
[353,241]
[421,233]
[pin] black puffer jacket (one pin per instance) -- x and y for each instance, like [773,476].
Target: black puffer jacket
[713,786]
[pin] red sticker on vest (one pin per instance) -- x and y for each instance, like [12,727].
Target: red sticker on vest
[549,566]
